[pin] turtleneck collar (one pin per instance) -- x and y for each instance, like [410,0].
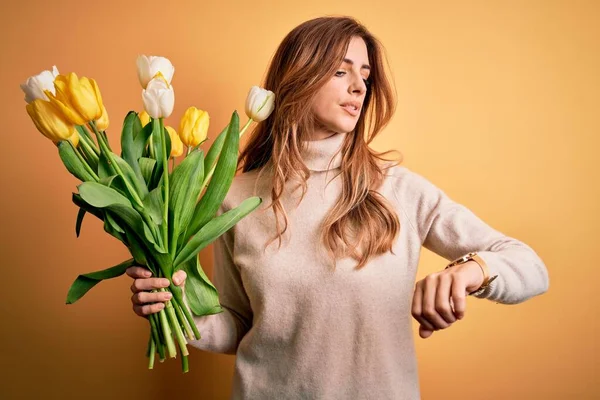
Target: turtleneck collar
[319,153]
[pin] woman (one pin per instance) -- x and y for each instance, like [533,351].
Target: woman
[326,313]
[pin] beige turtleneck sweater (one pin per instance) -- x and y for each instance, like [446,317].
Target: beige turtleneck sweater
[300,330]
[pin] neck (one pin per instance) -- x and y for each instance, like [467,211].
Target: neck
[323,154]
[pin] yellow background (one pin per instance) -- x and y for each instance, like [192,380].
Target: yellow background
[497,105]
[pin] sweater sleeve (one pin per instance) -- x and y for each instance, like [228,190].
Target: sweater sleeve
[451,230]
[222,332]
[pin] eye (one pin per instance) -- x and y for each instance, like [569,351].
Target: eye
[366,81]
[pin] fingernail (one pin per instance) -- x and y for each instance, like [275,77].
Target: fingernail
[147,274]
[176,281]
[164,282]
[168,296]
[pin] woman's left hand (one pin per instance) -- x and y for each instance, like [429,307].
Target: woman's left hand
[440,298]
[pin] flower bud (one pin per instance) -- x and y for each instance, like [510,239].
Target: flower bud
[102,122]
[176,145]
[51,122]
[159,98]
[35,85]
[259,103]
[193,128]
[149,66]
[78,99]
[144,118]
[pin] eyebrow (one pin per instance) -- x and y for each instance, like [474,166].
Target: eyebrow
[349,61]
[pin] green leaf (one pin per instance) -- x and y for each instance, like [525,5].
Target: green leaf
[201,294]
[215,228]
[104,167]
[185,188]
[108,219]
[215,150]
[138,183]
[72,162]
[155,205]
[137,249]
[80,215]
[129,152]
[219,185]
[85,282]
[157,140]
[106,170]
[112,227]
[116,182]
[100,196]
[78,201]
[141,139]
[133,220]
[147,166]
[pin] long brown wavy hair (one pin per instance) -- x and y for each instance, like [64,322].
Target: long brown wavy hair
[305,60]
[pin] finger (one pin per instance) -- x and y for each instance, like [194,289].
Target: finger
[459,298]
[424,332]
[179,278]
[142,298]
[139,285]
[417,306]
[442,299]
[429,294]
[138,272]
[148,309]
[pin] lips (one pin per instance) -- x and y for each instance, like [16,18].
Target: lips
[351,108]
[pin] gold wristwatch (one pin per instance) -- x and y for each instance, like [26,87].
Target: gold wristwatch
[487,280]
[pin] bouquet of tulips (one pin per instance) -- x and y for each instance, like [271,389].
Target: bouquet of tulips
[164,216]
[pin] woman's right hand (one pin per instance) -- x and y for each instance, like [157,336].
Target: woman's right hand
[144,301]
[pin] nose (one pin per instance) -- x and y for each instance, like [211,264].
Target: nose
[357,85]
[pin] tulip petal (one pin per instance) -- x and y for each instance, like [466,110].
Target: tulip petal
[66,110]
[49,121]
[84,99]
[143,69]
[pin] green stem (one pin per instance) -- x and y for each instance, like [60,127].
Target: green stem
[190,319]
[151,144]
[166,329]
[185,365]
[158,124]
[151,350]
[155,335]
[104,147]
[85,133]
[84,162]
[89,150]
[176,328]
[184,322]
[88,139]
[89,155]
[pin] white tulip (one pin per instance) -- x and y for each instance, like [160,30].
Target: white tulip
[159,98]
[259,103]
[35,85]
[149,66]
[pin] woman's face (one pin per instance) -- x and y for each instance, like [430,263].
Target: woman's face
[334,104]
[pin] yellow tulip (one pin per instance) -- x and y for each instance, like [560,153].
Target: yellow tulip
[193,128]
[78,99]
[176,145]
[144,118]
[51,122]
[102,123]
